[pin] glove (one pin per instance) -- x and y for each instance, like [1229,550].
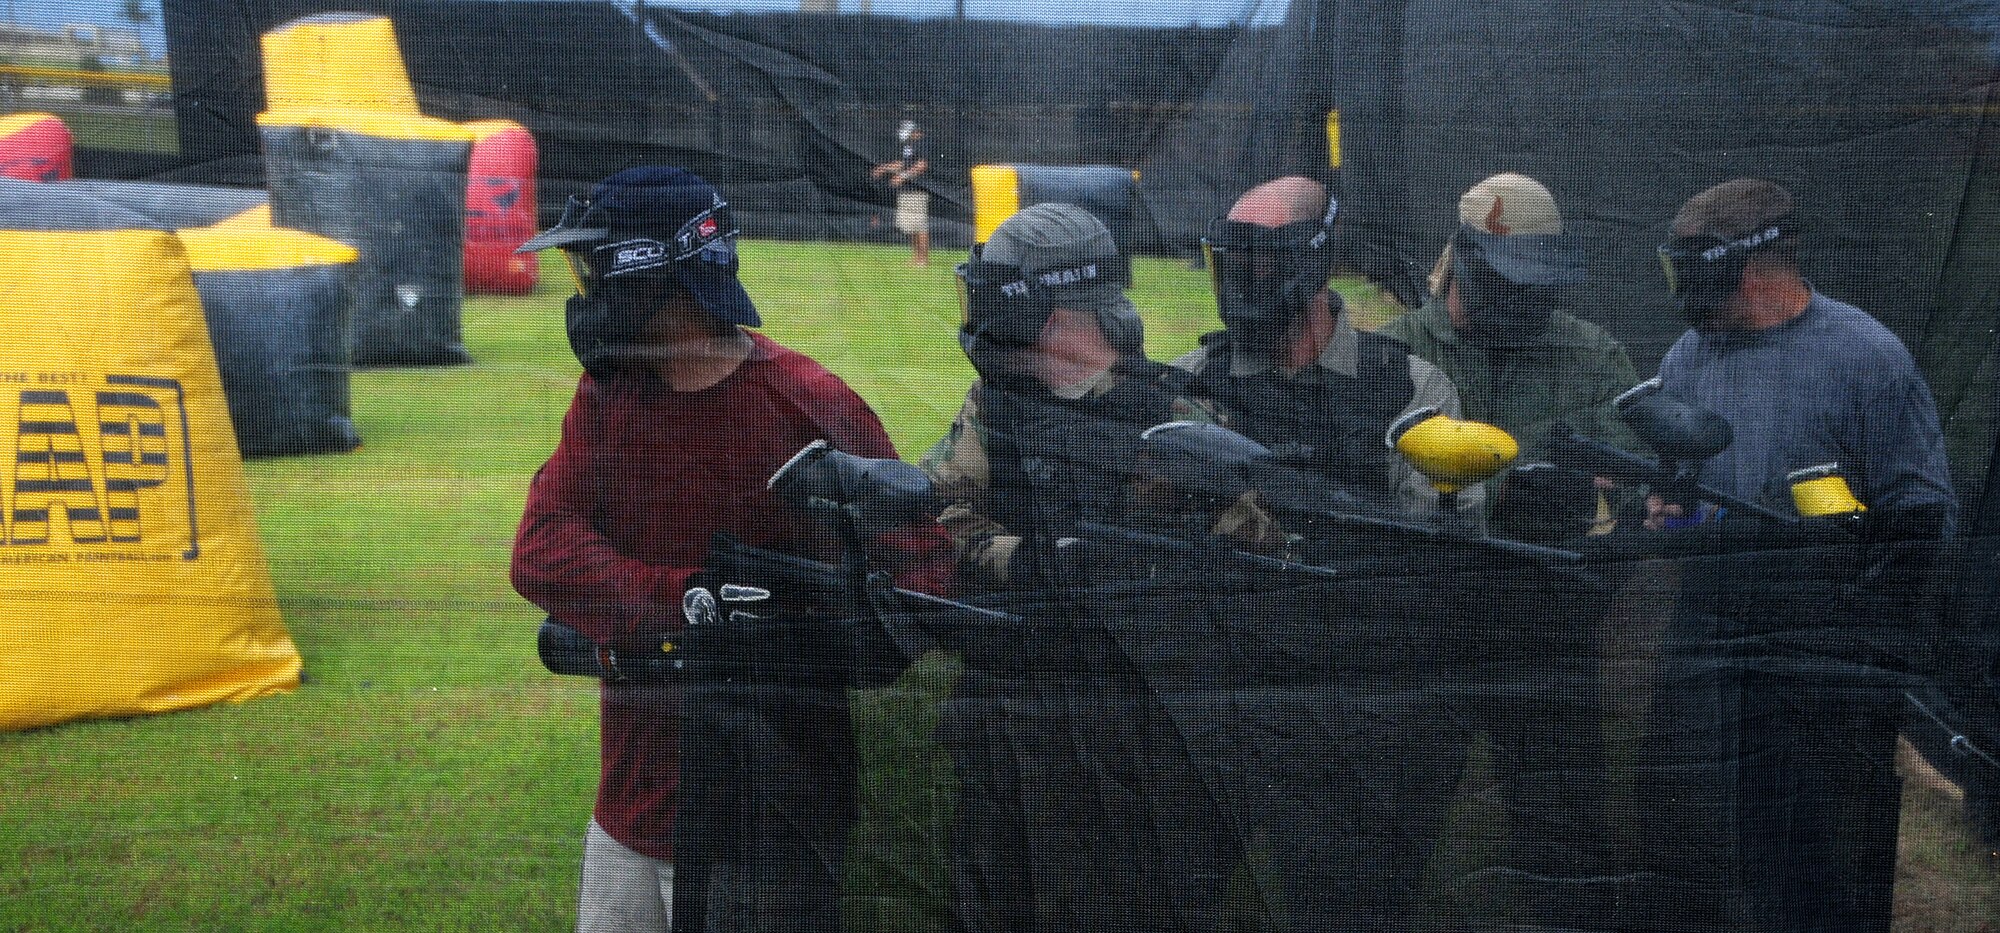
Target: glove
[709,600]
[1043,564]
[1543,503]
[736,628]
[720,621]
[1250,525]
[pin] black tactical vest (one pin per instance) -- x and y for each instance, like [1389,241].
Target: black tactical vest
[1332,425]
[1057,461]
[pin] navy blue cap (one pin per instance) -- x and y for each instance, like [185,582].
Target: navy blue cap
[658,217]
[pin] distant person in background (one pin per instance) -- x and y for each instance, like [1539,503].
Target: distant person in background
[912,202]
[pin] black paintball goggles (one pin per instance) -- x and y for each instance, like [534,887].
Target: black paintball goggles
[1004,308]
[1264,276]
[615,256]
[999,305]
[1507,285]
[1704,270]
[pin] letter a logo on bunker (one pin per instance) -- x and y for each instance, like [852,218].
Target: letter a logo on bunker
[102,469]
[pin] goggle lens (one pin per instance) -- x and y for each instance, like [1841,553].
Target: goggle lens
[1001,303]
[579,266]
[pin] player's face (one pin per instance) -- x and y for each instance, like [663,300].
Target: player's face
[1072,349]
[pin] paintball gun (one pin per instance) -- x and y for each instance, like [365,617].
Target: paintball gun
[866,496]
[564,650]
[1454,453]
[1205,552]
[1683,435]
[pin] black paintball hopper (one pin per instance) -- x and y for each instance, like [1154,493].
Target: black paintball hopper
[1204,457]
[877,495]
[1676,430]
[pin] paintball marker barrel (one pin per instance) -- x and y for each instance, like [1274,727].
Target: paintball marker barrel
[566,651]
[1675,484]
[1222,464]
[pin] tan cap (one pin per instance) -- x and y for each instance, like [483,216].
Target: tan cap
[1507,204]
[1510,204]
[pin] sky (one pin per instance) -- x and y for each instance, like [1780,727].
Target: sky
[49,14]
[1164,13]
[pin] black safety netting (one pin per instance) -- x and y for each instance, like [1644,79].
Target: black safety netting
[1233,685]
[1695,736]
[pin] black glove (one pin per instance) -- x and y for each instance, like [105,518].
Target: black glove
[737,627]
[1542,503]
[1046,564]
[721,620]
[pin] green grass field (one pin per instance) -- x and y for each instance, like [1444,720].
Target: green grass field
[430,775]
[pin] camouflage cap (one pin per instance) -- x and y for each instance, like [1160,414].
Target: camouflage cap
[1069,241]
[1510,204]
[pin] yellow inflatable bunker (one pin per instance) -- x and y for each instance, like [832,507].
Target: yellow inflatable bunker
[1108,192]
[132,579]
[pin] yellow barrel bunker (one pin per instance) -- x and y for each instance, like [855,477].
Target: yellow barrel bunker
[132,578]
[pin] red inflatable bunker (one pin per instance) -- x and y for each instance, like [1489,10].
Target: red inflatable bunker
[34,147]
[499,208]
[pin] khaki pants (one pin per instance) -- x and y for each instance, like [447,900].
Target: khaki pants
[622,891]
[913,211]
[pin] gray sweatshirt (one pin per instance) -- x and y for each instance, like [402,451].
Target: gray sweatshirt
[1830,385]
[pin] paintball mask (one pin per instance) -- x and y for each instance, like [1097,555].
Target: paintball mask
[1704,270]
[626,263]
[1264,276]
[1005,308]
[1509,284]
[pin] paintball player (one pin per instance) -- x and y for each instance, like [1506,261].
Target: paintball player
[1289,370]
[1363,803]
[678,421]
[1057,363]
[1804,796]
[1050,728]
[1520,362]
[912,202]
[1802,379]
[1497,327]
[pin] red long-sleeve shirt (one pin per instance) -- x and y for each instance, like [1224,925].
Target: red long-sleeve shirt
[622,515]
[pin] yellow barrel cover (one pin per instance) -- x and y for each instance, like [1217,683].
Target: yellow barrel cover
[132,579]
